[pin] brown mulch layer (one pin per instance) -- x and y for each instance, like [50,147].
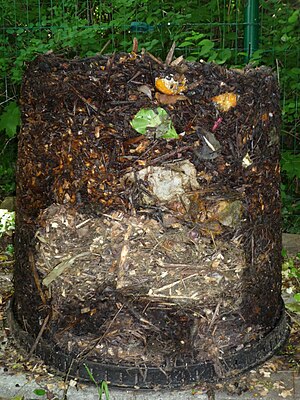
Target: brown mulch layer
[137,248]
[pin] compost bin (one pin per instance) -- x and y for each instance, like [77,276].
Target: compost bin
[148,241]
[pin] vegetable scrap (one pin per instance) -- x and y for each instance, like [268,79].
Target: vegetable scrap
[225,101]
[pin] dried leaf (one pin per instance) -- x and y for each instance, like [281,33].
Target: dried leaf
[169,99]
[135,45]
[146,90]
[246,161]
[286,393]
[170,54]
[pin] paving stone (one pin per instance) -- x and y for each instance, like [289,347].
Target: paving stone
[291,243]
[280,385]
[297,386]
[273,388]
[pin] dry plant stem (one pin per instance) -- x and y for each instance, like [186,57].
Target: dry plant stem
[104,47]
[295,320]
[123,257]
[216,312]
[154,58]
[169,155]
[83,223]
[174,283]
[36,278]
[66,380]
[210,394]
[38,338]
[83,99]
[170,55]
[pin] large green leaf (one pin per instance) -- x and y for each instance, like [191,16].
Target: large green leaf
[154,122]
[290,163]
[10,119]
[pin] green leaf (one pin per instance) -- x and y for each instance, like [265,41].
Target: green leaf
[39,392]
[297,297]
[186,44]
[294,307]
[144,119]
[155,122]
[10,119]
[207,43]
[290,163]
[104,388]
[91,376]
[294,17]
[223,56]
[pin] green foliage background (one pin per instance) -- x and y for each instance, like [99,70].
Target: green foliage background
[212,31]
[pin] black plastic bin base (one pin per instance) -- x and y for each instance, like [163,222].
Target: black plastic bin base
[147,377]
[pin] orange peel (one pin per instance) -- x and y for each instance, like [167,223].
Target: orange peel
[225,101]
[170,86]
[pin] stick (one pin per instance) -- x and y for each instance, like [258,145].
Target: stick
[104,47]
[154,58]
[39,336]
[83,99]
[37,278]
[170,285]
[123,257]
[168,155]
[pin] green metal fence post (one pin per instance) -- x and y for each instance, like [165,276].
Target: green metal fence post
[251,34]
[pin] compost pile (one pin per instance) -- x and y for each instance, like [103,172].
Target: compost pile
[148,208]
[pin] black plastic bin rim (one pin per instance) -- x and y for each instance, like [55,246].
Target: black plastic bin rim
[148,377]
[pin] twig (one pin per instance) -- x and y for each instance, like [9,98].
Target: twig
[170,285]
[214,315]
[39,336]
[123,257]
[88,103]
[104,47]
[293,318]
[36,278]
[210,394]
[154,58]
[169,155]
[83,223]
[164,296]
[66,380]
[134,76]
